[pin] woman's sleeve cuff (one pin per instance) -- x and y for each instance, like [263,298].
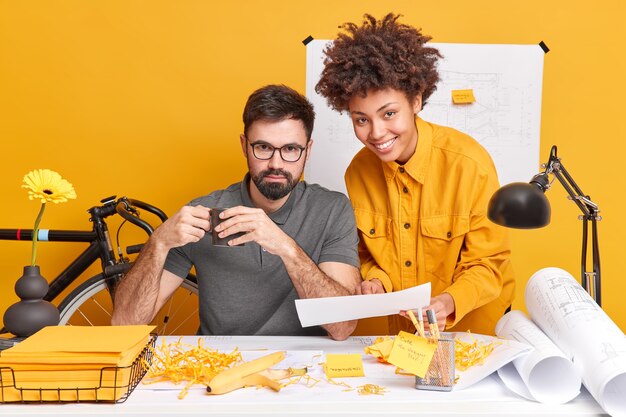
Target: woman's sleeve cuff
[381,276]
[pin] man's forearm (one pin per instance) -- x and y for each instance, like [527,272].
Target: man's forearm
[137,293]
[311,282]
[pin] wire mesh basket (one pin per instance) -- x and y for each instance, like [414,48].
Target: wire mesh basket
[109,384]
[440,374]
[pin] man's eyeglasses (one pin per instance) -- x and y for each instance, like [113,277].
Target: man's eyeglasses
[265,151]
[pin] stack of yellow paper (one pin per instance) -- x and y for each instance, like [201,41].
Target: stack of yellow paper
[72,363]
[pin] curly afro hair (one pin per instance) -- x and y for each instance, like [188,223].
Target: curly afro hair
[379,54]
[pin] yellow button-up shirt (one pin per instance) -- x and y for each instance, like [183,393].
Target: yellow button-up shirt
[426,221]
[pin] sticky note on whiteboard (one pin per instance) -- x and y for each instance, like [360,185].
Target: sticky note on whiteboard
[463,96]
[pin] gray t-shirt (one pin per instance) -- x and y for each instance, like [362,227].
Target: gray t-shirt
[245,290]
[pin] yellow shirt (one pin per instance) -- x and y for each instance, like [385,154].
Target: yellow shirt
[426,221]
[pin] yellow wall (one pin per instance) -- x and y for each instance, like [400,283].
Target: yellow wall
[143,98]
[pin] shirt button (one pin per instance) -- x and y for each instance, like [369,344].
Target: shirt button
[401,170]
[407,225]
[406,190]
[372,231]
[408,263]
[449,234]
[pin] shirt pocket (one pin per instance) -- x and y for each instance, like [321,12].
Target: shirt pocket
[443,238]
[372,225]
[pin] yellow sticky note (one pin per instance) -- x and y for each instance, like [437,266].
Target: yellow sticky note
[343,365]
[463,96]
[412,353]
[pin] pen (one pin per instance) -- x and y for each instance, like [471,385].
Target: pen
[437,362]
[421,319]
[432,324]
[415,323]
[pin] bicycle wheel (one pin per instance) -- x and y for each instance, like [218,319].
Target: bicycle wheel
[90,304]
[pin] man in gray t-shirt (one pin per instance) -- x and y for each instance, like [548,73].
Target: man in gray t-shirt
[246,289]
[299,239]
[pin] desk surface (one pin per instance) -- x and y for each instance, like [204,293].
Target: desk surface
[488,397]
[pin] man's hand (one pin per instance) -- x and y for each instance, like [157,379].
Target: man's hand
[257,226]
[188,225]
[146,287]
[310,280]
[373,286]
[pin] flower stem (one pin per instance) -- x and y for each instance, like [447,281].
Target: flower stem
[35,233]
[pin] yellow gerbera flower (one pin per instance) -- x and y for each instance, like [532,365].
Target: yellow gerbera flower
[48,186]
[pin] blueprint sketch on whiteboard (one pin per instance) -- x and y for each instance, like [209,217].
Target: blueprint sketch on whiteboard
[505,118]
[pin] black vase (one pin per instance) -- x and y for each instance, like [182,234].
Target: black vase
[28,316]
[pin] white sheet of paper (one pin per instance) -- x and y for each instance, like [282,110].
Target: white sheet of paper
[316,311]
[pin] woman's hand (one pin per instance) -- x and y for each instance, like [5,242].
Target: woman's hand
[442,305]
[373,286]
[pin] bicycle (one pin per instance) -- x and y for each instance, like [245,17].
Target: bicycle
[90,303]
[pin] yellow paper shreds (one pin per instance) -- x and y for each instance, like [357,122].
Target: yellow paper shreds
[309,381]
[179,362]
[341,384]
[380,349]
[468,354]
[371,389]
[401,372]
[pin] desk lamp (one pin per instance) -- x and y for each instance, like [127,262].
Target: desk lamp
[524,206]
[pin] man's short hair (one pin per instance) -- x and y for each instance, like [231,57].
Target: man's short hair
[275,103]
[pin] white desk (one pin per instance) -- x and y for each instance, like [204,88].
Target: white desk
[488,397]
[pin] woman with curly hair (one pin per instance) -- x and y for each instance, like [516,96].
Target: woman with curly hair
[419,190]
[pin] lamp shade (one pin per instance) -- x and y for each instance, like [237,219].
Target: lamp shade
[519,205]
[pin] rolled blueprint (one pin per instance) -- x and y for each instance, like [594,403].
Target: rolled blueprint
[564,311]
[545,374]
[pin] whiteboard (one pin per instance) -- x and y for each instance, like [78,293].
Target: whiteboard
[505,118]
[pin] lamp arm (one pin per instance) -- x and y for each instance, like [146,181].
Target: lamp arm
[596,262]
[589,280]
[587,207]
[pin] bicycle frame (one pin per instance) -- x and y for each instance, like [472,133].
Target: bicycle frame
[76,267]
[98,292]
[98,238]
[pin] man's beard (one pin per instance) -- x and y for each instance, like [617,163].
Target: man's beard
[274,190]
